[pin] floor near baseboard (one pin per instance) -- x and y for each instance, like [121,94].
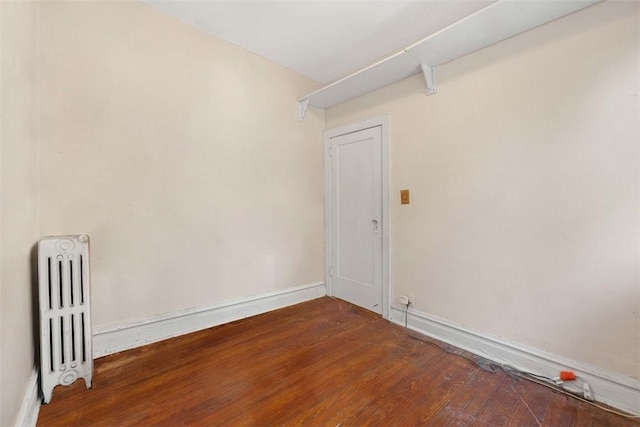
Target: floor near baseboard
[322,362]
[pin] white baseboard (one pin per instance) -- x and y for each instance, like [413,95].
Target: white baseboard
[28,414]
[127,335]
[607,387]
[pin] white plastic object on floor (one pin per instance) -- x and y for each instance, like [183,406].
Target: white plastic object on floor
[65,314]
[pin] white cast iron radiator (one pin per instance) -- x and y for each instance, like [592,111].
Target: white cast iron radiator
[65,321]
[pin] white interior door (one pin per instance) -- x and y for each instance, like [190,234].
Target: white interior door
[356,217]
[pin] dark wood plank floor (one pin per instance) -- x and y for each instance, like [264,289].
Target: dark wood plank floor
[320,363]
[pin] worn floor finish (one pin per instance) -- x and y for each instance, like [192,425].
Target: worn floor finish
[320,363]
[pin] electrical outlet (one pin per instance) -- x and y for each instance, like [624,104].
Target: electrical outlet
[406,299]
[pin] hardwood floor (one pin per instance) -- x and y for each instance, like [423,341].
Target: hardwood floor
[320,363]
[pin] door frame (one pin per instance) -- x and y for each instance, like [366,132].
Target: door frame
[384,122]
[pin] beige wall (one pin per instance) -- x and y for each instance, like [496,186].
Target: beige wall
[18,200]
[524,182]
[180,155]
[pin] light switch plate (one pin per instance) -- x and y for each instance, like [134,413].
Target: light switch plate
[404,197]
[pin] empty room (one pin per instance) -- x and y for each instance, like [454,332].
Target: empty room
[187,237]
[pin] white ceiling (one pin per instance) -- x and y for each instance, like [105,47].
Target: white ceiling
[322,39]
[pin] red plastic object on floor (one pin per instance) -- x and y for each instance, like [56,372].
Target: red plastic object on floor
[567,376]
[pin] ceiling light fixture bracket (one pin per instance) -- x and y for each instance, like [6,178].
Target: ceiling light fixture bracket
[429,74]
